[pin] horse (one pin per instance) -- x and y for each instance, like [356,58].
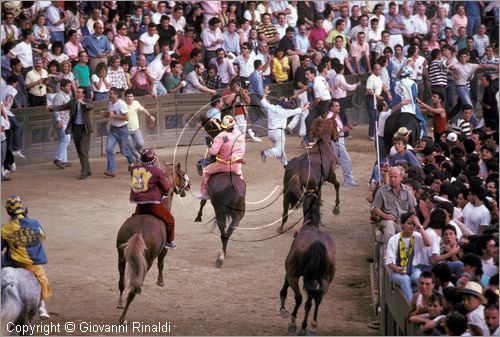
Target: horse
[311,169]
[311,256]
[227,194]
[141,239]
[20,298]
[397,120]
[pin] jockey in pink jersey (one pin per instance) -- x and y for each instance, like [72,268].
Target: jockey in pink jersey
[229,149]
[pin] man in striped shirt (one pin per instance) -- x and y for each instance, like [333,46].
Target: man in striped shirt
[268,32]
[438,74]
[481,41]
[464,125]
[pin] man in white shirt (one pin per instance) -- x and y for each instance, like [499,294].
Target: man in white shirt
[276,123]
[322,98]
[407,20]
[374,89]
[481,40]
[157,69]
[475,214]
[488,248]
[96,17]
[340,53]
[118,131]
[55,22]
[161,9]
[245,61]
[177,18]
[212,39]
[23,51]
[281,25]
[420,21]
[148,43]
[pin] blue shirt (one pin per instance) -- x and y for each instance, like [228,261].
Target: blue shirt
[406,157]
[95,46]
[231,44]
[472,8]
[213,113]
[256,84]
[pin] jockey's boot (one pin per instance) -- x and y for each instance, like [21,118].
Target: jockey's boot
[42,311]
[170,245]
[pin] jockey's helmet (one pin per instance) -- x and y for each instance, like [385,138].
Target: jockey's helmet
[227,122]
[407,71]
[148,156]
[15,205]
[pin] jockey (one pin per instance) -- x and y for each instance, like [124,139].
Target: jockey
[148,187]
[229,149]
[22,237]
[408,89]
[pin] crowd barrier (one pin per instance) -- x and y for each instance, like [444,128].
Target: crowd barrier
[174,123]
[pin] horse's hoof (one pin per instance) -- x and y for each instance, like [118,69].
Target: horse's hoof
[198,219]
[292,327]
[160,283]
[284,313]
[123,320]
[303,332]
[336,210]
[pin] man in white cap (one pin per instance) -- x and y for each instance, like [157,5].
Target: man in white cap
[407,88]
[474,304]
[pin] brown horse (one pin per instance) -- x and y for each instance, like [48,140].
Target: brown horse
[311,256]
[311,169]
[227,193]
[141,239]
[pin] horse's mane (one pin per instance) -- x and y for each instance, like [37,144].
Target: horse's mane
[324,128]
[312,214]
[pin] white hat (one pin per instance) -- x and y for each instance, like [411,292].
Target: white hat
[452,137]
[402,131]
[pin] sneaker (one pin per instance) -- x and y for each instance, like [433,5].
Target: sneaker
[13,167]
[19,154]
[170,245]
[263,156]
[202,196]
[372,138]
[42,312]
[109,174]
[351,184]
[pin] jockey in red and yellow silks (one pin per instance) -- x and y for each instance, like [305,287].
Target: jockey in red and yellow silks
[229,149]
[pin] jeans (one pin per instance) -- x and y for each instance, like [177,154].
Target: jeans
[341,155]
[101,96]
[150,58]
[372,114]
[159,89]
[277,136]
[17,133]
[57,36]
[62,145]
[473,23]
[136,143]
[120,136]
[381,146]
[405,281]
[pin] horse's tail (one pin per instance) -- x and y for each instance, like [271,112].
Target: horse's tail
[315,268]
[136,265]
[12,306]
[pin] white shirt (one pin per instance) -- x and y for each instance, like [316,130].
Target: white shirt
[476,318]
[475,217]
[489,267]
[264,59]
[340,54]
[178,24]
[24,53]
[277,116]
[281,30]
[375,83]
[157,69]
[382,117]
[53,16]
[420,24]
[418,249]
[321,89]
[95,81]
[208,36]
[435,248]
[246,67]
[464,72]
[409,24]
[119,108]
[149,42]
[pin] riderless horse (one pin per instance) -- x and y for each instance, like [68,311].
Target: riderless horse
[141,239]
[397,120]
[311,169]
[20,298]
[311,256]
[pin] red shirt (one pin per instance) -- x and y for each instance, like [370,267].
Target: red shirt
[317,34]
[185,48]
[148,184]
[238,109]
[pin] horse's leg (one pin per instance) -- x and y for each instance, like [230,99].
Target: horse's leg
[121,282]
[130,298]
[314,324]
[221,223]
[284,218]
[307,307]
[283,312]
[161,257]
[200,211]
[294,284]
[332,178]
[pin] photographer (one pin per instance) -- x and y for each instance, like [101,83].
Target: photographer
[142,81]
[236,98]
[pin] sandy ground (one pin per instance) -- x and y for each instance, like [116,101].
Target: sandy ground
[81,219]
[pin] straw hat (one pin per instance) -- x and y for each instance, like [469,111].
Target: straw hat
[474,289]
[402,131]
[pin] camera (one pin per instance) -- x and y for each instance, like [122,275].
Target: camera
[244,84]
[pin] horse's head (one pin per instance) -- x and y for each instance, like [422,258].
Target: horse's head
[325,129]
[180,179]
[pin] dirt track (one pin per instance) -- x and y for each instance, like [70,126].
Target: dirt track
[81,219]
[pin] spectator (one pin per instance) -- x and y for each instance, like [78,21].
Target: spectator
[268,32]
[67,74]
[24,52]
[56,20]
[116,74]
[489,102]
[419,300]
[148,43]
[341,87]
[41,31]
[317,32]
[473,303]
[73,46]
[340,53]
[338,31]
[7,97]
[359,55]
[195,19]
[101,83]
[195,82]
[21,99]
[300,91]
[185,46]
[231,40]
[211,78]
[56,53]
[438,113]
[374,89]
[212,39]
[95,18]
[195,57]
[481,41]
[161,10]
[9,31]
[362,27]
[491,319]
[223,67]
[142,80]
[287,43]
[464,125]
[252,15]
[82,74]
[135,140]
[405,252]
[167,34]
[391,201]
[456,324]
[322,98]
[53,81]
[281,67]
[123,43]
[157,69]
[97,47]
[118,133]
[36,84]
[61,119]
[177,19]
[403,155]
[487,248]
[174,82]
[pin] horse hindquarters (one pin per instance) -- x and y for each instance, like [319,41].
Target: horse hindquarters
[136,264]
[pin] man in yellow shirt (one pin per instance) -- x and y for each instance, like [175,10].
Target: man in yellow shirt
[135,140]
[338,31]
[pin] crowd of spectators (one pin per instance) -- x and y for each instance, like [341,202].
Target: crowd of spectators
[436,203]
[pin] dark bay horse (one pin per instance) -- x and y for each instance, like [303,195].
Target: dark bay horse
[397,120]
[227,193]
[141,239]
[20,298]
[311,169]
[311,256]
